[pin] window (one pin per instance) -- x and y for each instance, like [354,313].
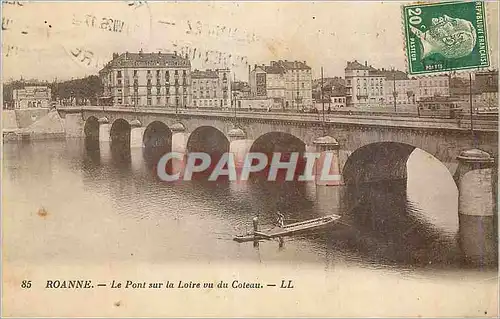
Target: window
[119,74]
[157,73]
[120,100]
[149,101]
[149,72]
[176,72]
[167,76]
[119,82]
[158,100]
[135,72]
[302,84]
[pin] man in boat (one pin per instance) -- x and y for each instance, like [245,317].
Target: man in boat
[280,220]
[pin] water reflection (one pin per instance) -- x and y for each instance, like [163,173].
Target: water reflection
[382,223]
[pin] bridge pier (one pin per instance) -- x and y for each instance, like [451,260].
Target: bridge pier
[329,162]
[329,149]
[179,144]
[239,146]
[136,134]
[476,206]
[104,130]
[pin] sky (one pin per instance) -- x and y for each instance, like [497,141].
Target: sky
[64,40]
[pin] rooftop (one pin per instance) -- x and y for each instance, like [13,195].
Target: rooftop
[207,74]
[145,60]
[388,74]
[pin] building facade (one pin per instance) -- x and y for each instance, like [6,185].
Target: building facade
[288,83]
[364,85]
[433,86]
[398,87]
[486,84]
[368,86]
[32,96]
[147,79]
[211,88]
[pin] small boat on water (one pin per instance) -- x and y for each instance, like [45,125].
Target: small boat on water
[287,230]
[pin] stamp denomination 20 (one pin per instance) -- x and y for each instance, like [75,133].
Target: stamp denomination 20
[444,37]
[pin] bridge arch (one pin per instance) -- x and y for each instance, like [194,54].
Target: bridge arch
[379,161]
[120,132]
[281,142]
[91,128]
[209,140]
[157,135]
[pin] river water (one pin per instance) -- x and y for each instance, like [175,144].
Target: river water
[396,251]
[107,207]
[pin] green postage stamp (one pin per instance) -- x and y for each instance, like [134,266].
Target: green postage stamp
[446,36]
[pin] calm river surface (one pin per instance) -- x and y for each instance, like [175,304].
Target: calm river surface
[100,207]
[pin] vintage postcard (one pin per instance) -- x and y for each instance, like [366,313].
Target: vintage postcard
[249,159]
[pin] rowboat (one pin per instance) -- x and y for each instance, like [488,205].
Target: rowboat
[287,230]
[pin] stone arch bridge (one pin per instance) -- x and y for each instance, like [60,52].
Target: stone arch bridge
[365,148]
[369,148]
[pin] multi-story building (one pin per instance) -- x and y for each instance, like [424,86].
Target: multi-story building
[487,85]
[257,80]
[288,83]
[32,96]
[276,83]
[211,88]
[433,86]
[364,85]
[368,86]
[147,79]
[399,87]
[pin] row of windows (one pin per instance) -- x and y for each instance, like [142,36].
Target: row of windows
[207,95]
[148,72]
[210,103]
[158,101]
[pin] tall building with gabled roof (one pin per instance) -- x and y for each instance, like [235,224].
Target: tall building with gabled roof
[289,83]
[364,85]
[147,79]
[211,88]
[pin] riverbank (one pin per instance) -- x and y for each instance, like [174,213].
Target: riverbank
[32,124]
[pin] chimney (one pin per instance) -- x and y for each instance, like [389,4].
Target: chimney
[159,52]
[175,53]
[126,55]
[366,63]
[273,63]
[186,56]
